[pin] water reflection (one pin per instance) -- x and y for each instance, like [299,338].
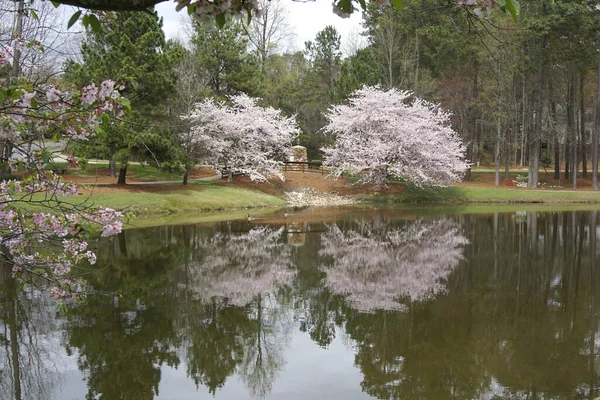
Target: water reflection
[469,307]
[240,266]
[375,264]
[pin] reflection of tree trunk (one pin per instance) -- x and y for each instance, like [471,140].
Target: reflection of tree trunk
[258,331]
[593,301]
[14,338]
[122,243]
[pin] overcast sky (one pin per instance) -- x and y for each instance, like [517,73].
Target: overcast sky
[307,18]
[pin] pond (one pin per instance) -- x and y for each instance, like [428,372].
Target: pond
[342,304]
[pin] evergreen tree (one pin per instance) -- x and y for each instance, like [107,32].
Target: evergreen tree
[131,49]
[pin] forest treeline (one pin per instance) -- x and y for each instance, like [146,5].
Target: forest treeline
[522,92]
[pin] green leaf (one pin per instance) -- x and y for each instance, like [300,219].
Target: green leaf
[363,4]
[73,19]
[513,8]
[126,103]
[220,19]
[56,137]
[397,4]
[94,23]
[345,5]
[55,3]
[33,13]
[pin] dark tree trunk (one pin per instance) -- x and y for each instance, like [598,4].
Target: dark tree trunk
[122,175]
[473,120]
[185,176]
[596,133]
[582,125]
[554,131]
[535,146]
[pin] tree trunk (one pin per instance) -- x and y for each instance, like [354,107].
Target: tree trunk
[582,125]
[507,156]
[536,140]
[112,165]
[6,145]
[498,135]
[122,175]
[571,127]
[554,130]
[473,119]
[185,176]
[596,133]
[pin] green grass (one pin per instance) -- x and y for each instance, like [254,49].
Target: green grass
[141,171]
[211,198]
[463,194]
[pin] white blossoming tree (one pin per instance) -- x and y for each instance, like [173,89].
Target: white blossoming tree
[243,137]
[389,133]
[376,268]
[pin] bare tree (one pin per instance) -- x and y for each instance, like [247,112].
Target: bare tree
[353,42]
[271,31]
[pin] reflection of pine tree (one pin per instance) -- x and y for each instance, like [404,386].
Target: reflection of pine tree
[264,344]
[375,267]
[123,341]
[240,267]
[212,344]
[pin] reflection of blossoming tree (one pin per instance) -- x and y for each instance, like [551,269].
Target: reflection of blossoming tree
[245,269]
[375,267]
[241,267]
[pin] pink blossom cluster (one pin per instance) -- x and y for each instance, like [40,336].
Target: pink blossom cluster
[480,6]
[50,244]
[75,114]
[204,11]
[24,236]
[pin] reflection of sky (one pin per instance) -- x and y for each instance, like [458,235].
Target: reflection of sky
[310,372]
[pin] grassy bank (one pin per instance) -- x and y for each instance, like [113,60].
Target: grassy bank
[206,198]
[465,194]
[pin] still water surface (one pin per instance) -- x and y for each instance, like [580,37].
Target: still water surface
[384,304]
